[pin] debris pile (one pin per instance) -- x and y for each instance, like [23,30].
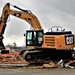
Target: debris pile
[14,59]
[61,64]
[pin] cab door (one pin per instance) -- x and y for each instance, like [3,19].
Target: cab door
[34,38]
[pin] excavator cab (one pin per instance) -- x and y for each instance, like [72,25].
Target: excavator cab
[34,38]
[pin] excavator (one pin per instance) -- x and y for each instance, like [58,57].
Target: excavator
[56,44]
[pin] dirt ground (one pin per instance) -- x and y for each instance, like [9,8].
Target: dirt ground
[20,71]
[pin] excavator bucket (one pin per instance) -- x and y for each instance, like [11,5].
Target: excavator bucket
[4,51]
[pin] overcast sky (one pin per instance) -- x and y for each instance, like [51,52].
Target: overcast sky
[49,12]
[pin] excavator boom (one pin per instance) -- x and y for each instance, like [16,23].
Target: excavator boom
[29,17]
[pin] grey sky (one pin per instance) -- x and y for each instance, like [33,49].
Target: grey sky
[49,12]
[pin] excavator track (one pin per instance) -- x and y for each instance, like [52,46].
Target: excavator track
[42,55]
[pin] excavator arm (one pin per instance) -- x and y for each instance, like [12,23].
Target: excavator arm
[26,15]
[3,21]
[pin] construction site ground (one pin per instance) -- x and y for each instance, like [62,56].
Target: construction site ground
[37,71]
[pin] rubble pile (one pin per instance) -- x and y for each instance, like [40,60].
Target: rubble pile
[14,59]
[60,64]
[11,58]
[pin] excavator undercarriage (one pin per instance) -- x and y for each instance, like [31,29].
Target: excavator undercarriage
[42,55]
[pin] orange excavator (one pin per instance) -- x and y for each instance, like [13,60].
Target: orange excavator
[55,44]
